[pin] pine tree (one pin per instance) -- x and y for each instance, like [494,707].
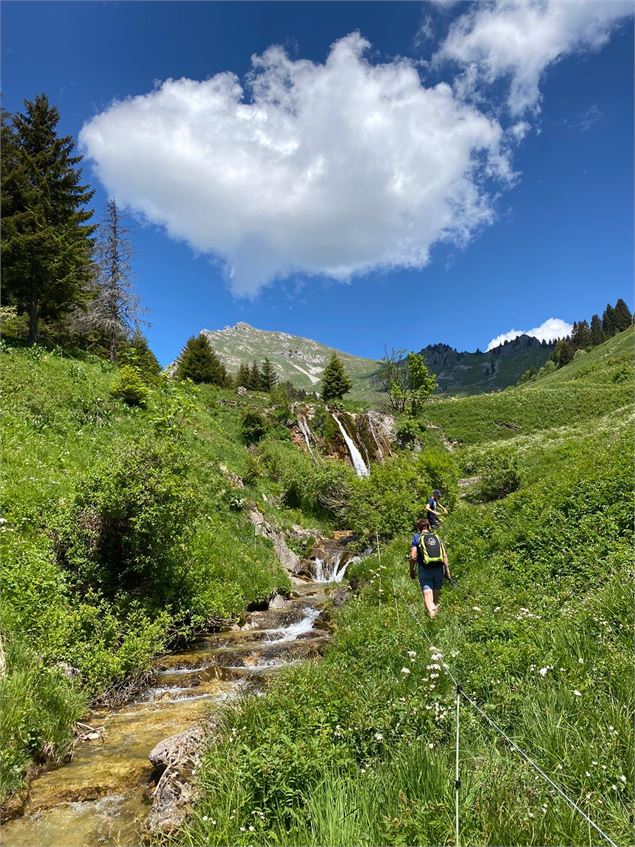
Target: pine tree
[115,311]
[46,240]
[254,383]
[597,333]
[268,376]
[564,352]
[335,381]
[137,353]
[200,363]
[242,376]
[581,335]
[623,316]
[609,322]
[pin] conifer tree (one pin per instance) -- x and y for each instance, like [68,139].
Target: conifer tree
[597,333]
[254,382]
[115,310]
[335,381]
[623,316]
[564,352]
[242,376]
[200,363]
[581,335]
[137,353]
[268,376]
[46,240]
[609,322]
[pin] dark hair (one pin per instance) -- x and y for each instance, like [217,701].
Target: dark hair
[436,493]
[423,523]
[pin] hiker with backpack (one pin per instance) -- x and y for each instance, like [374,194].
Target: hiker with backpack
[429,557]
[432,509]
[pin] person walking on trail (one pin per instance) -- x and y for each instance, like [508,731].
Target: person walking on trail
[432,509]
[429,556]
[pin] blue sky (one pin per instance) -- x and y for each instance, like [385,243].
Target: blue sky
[398,240]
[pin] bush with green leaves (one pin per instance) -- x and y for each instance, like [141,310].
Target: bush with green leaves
[254,427]
[130,387]
[499,476]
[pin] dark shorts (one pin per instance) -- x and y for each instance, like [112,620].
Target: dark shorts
[431,577]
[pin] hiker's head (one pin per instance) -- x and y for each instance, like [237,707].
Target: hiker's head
[423,524]
[436,493]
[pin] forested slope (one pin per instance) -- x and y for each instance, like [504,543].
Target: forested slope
[359,747]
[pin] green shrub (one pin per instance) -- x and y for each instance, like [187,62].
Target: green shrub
[123,529]
[130,388]
[408,431]
[499,477]
[253,427]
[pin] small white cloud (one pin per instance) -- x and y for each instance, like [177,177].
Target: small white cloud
[519,39]
[326,169]
[588,118]
[550,330]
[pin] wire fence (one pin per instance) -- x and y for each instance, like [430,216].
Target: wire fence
[461,694]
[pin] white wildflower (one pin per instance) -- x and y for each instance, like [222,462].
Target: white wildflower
[251,829]
[577,693]
[205,817]
[405,671]
[412,653]
[586,773]
[379,736]
[476,608]
[580,661]
[622,778]
[543,671]
[430,745]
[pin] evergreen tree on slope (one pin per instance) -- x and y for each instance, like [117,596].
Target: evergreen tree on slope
[335,381]
[622,315]
[200,363]
[268,376]
[609,321]
[597,333]
[46,240]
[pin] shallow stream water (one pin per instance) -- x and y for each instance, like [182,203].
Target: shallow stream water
[101,796]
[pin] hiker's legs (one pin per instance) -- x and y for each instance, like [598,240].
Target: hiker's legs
[436,593]
[428,599]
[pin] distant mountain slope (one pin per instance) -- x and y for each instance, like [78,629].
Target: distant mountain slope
[299,360]
[475,373]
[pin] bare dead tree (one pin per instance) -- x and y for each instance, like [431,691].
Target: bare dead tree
[115,311]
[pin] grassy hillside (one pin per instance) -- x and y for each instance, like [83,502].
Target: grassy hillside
[120,534]
[359,748]
[596,383]
[299,360]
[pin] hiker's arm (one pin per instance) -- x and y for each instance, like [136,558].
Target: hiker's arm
[412,564]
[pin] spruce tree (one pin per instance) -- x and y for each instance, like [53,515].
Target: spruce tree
[335,381]
[581,335]
[137,353]
[597,333]
[623,316]
[254,382]
[564,352]
[46,240]
[268,376]
[199,363]
[609,322]
[242,376]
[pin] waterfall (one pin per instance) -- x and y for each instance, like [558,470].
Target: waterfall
[330,571]
[356,456]
[306,432]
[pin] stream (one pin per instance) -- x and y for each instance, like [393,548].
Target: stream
[101,797]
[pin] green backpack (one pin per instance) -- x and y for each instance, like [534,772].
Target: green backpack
[431,548]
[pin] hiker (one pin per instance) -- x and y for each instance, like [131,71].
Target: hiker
[432,509]
[429,554]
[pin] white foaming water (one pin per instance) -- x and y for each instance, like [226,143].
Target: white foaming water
[306,432]
[356,456]
[330,572]
[294,630]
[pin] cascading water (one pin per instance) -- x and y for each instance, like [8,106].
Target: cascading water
[356,456]
[306,432]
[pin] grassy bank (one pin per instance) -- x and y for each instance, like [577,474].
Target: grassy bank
[358,748]
[121,534]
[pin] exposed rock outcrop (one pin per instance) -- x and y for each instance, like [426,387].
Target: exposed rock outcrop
[289,560]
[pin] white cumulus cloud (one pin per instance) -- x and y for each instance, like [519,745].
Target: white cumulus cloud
[519,39]
[550,330]
[329,169]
